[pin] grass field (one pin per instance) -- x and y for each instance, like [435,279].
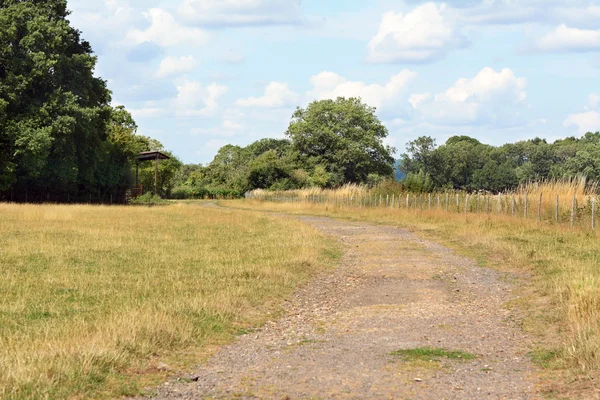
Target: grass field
[560,300]
[92,299]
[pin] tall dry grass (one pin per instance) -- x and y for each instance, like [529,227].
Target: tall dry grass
[570,201]
[92,298]
[562,297]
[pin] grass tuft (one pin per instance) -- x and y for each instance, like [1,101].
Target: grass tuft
[431,354]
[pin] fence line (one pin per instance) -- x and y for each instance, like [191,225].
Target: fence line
[581,210]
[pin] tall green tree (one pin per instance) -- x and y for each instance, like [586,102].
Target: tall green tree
[344,136]
[53,111]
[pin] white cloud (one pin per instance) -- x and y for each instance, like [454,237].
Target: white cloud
[277,95]
[241,12]
[588,121]
[566,39]
[417,99]
[176,66]
[427,33]
[164,30]
[329,85]
[490,97]
[195,100]
[593,101]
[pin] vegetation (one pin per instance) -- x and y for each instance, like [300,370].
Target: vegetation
[466,164]
[95,298]
[148,198]
[329,143]
[431,354]
[60,140]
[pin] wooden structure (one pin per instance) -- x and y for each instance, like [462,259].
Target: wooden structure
[149,156]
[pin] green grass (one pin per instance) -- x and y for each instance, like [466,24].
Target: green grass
[93,298]
[431,354]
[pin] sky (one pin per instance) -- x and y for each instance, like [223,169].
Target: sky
[199,74]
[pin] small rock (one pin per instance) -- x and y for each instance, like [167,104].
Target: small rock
[195,378]
[418,380]
[163,367]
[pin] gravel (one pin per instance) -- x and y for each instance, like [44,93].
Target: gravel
[391,291]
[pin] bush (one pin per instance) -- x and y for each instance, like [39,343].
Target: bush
[148,198]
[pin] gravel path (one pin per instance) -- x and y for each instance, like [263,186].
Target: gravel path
[392,291]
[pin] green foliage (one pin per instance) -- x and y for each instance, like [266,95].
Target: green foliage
[431,353]
[59,137]
[420,182]
[344,136]
[148,198]
[465,163]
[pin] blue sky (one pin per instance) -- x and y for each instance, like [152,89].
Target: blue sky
[198,74]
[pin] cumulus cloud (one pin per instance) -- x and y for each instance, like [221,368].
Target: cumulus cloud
[329,85]
[425,34]
[277,95]
[241,12]
[588,121]
[489,97]
[195,100]
[165,31]
[566,39]
[176,66]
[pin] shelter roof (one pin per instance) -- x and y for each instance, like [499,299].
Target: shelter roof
[152,155]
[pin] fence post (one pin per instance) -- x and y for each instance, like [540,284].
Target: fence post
[525,211]
[421,202]
[429,201]
[467,203]
[439,204]
[499,203]
[513,205]
[407,201]
[457,203]
[393,200]
[573,211]
[556,211]
[447,201]
[593,213]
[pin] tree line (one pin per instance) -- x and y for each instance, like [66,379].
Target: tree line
[464,163]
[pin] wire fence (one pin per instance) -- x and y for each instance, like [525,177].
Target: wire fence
[575,210]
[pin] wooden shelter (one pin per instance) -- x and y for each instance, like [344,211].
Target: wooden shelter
[149,156]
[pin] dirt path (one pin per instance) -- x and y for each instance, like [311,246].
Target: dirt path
[392,291]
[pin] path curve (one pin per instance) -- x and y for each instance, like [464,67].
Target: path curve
[391,291]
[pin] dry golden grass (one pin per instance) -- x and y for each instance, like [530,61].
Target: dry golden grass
[561,300]
[92,298]
[568,201]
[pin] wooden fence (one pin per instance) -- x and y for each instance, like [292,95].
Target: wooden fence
[576,210]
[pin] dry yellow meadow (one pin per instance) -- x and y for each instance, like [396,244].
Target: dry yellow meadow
[93,298]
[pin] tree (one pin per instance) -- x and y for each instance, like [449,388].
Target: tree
[344,136]
[53,111]
[419,156]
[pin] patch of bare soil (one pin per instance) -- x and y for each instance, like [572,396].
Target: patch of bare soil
[392,291]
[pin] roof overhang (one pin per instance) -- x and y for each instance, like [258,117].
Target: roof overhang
[152,155]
